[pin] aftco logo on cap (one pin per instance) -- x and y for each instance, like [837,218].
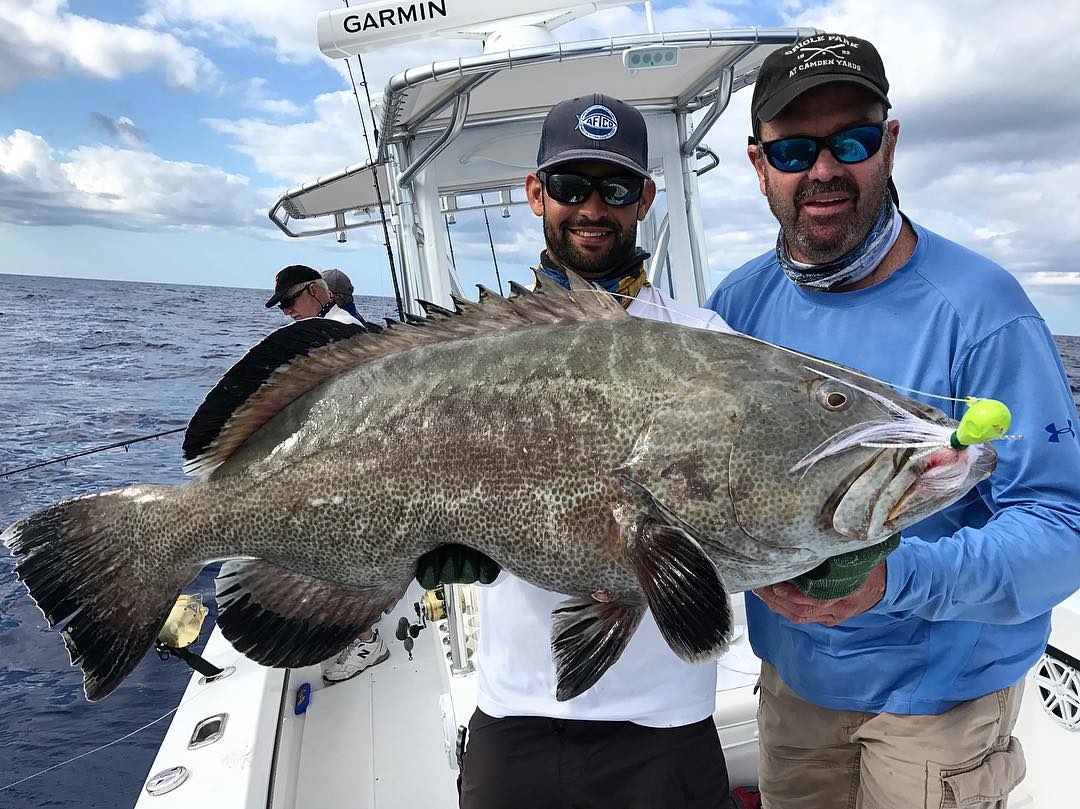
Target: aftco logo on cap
[598,123]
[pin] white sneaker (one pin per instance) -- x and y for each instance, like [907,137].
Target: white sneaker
[354,658]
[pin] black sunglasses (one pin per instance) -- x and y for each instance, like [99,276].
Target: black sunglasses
[574,189]
[851,145]
[289,300]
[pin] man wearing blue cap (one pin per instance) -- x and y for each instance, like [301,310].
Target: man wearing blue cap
[643,736]
[901,690]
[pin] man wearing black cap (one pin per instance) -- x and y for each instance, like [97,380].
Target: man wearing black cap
[899,688]
[301,292]
[643,736]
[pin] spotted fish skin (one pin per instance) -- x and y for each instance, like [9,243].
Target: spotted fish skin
[583,450]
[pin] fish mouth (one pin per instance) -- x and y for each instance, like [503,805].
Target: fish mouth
[897,488]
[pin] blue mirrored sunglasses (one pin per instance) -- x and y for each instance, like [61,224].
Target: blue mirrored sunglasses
[798,153]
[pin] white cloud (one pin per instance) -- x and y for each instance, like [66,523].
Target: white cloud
[985,108]
[332,138]
[285,28]
[117,188]
[1009,211]
[288,28]
[1064,279]
[41,39]
[254,94]
[968,66]
[278,106]
[295,153]
[625,20]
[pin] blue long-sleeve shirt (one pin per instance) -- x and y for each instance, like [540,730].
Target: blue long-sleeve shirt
[966,609]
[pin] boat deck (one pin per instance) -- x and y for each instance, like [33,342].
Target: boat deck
[384,739]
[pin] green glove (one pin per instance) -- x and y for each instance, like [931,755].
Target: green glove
[842,575]
[455,564]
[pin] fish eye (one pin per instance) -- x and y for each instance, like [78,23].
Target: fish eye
[833,398]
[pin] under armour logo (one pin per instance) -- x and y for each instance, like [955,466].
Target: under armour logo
[1056,432]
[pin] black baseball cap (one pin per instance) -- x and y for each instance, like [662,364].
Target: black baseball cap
[594,127]
[787,73]
[289,277]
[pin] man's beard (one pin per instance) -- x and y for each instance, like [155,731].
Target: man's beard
[590,265]
[820,242]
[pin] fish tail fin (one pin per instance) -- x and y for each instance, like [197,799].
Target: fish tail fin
[83,562]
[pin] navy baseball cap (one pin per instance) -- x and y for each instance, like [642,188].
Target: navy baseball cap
[594,127]
[288,278]
[787,73]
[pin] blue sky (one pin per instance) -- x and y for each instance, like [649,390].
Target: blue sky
[147,140]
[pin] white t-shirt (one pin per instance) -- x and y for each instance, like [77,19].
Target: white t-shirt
[335,312]
[648,684]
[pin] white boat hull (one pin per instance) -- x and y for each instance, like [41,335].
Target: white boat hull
[386,738]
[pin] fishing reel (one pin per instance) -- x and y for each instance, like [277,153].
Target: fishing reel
[434,604]
[181,629]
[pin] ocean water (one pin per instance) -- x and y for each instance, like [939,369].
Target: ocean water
[84,364]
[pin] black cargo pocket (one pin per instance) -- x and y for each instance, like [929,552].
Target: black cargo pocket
[983,783]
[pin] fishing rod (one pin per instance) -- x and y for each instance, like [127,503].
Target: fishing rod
[491,242]
[450,241]
[375,172]
[65,458]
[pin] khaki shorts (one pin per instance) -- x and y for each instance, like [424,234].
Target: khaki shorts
[818,758]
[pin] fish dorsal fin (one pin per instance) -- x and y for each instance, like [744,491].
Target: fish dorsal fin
[301,356]
[286,364]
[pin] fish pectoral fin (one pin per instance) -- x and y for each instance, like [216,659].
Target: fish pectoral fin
[587,636]
[652,509]
[684,591]
[284,619]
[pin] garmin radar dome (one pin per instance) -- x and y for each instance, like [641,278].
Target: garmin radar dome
[348,31]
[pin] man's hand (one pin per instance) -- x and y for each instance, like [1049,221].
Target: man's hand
[786,599]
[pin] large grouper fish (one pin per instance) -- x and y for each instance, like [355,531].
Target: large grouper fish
[630,463]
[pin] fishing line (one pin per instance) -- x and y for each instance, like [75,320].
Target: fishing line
[375,172]
[704,322]
[114,741]
[66,458]
[90,752]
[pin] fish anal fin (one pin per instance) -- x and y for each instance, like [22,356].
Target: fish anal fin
[587,637]
[284,619]
[684,591]
[285,365]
